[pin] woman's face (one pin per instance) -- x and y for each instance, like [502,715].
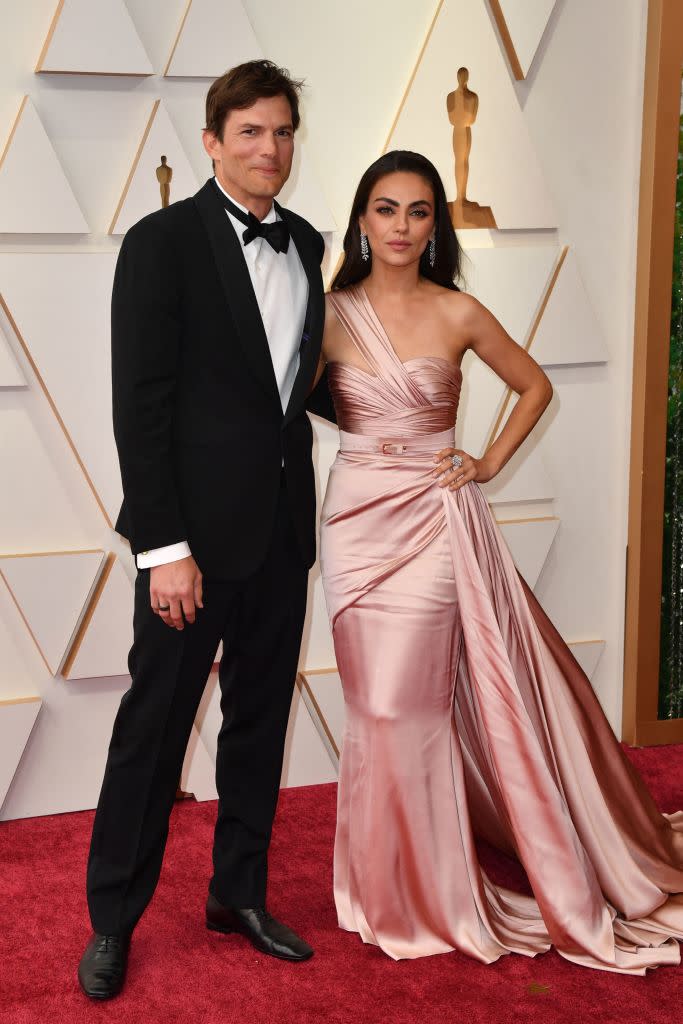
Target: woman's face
[399,219]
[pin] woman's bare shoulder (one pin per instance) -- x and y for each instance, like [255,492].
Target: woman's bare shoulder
[464,310]
[462,303]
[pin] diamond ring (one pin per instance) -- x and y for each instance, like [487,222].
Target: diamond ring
[457,461]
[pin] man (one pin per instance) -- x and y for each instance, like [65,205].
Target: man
[217,316]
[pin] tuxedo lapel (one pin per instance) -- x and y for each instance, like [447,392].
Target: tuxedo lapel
[309,348]
[236,282]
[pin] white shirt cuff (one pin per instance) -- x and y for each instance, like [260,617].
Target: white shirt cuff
[160,556]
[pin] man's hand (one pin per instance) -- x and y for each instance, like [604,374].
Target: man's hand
[175,590]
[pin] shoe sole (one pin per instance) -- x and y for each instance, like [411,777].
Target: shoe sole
[224,930]
[98,997]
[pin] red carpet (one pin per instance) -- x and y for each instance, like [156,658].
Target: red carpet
[179,972]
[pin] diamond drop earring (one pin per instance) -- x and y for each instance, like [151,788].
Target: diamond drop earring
[364,247]
[432,252]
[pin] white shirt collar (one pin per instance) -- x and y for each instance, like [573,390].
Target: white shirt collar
[271,216]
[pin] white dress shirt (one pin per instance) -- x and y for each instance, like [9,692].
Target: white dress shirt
[281,288]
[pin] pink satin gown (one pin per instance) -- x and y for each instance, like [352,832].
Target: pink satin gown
[466,712]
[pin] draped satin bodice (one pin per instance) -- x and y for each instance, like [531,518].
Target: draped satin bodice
[418,396]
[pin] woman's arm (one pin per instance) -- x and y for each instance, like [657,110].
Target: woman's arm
[319,372]
[520,372]
[491,343]
[330,320]
[319,399]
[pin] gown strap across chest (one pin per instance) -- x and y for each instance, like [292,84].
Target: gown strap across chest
[360,321]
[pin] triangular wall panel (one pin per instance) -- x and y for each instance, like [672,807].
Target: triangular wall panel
[93,37]
[307,761]
[141,194]
[17,718]
[38,506]
[203,52]
[198,53]
[35,196]
[104,640]
[510,281]
[51,591]
[11,375]
[521,24]
[523,478]
[463,36]
[588,654]
[568,332]
[303,195]
[324,697]
[72,290]
[530,541]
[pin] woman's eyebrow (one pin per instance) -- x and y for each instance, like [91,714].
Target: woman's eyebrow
[393,202]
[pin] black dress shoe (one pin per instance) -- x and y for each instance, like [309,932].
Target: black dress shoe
[257,925]
[102,970]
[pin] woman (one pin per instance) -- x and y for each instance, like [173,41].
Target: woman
[466,713]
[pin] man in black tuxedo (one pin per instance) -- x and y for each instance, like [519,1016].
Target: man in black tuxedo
[217,317]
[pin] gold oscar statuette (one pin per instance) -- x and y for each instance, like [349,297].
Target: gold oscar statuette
[462,105]
[164,175]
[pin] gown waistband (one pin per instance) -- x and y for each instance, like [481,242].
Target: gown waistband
[390,444]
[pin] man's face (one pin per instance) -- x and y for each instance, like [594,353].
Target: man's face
[255,157]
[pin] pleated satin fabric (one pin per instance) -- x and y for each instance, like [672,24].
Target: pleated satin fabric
[467,715]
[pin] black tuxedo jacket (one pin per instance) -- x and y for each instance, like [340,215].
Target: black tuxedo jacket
[198,422]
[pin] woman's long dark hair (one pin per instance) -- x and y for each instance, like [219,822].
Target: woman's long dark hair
[448,256]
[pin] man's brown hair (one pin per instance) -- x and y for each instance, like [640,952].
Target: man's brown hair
[242,86]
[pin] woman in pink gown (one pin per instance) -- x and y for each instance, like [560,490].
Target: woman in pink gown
[467,715]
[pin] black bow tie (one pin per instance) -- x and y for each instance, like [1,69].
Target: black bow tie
[276,233]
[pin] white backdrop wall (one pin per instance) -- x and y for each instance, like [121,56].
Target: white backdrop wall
[564,507]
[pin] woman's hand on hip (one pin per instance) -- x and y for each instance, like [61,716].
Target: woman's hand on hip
[454,476]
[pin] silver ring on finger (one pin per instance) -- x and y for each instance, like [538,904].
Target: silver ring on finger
[457,461]
[164,608]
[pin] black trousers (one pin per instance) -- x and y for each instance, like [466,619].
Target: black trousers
[260,621]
